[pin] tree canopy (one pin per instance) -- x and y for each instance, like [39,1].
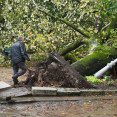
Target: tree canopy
[54,25]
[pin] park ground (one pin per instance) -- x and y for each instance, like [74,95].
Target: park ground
[91,106]
[6,75]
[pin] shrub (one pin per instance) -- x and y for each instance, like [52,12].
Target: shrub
[116,80]
[107,78]
[111,83]
[93,79]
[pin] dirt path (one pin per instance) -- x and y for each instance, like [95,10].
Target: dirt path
[6,75]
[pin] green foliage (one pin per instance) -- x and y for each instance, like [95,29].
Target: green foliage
[1,59]
[116,80]
[107,78]
[107,8]
[6,64]
[105,49]
[111,83]
[93,79]
[39,57]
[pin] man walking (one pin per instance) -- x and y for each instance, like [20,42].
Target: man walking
[18,56]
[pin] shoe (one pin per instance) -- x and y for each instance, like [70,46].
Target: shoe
[16,86]
[14,76]
[15,80]
[20,84]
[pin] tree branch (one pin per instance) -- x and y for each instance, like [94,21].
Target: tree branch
[80,29]
[68,16]
[106,26]
[71,47]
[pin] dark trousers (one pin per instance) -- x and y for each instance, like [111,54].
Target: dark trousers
[17,73]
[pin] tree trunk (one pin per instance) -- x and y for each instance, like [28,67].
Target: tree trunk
[70,58]
[94,62]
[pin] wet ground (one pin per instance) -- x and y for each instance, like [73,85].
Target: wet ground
[6,75]
[98,106]
[85,107]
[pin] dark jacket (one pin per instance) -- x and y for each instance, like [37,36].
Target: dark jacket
[18,53]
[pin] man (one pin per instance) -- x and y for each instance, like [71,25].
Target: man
[18,56]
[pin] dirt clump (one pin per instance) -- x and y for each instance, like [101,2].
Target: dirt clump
[56,72]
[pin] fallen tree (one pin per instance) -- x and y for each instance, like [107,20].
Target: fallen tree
[86,66]
[95,61]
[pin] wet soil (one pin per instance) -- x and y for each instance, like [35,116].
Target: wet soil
[85,107]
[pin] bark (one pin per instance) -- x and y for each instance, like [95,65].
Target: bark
[70,58]
[94,62]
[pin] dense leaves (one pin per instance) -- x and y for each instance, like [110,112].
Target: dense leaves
[50,25]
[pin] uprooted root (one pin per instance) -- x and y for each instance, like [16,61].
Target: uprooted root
[54,75]
[56,72]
